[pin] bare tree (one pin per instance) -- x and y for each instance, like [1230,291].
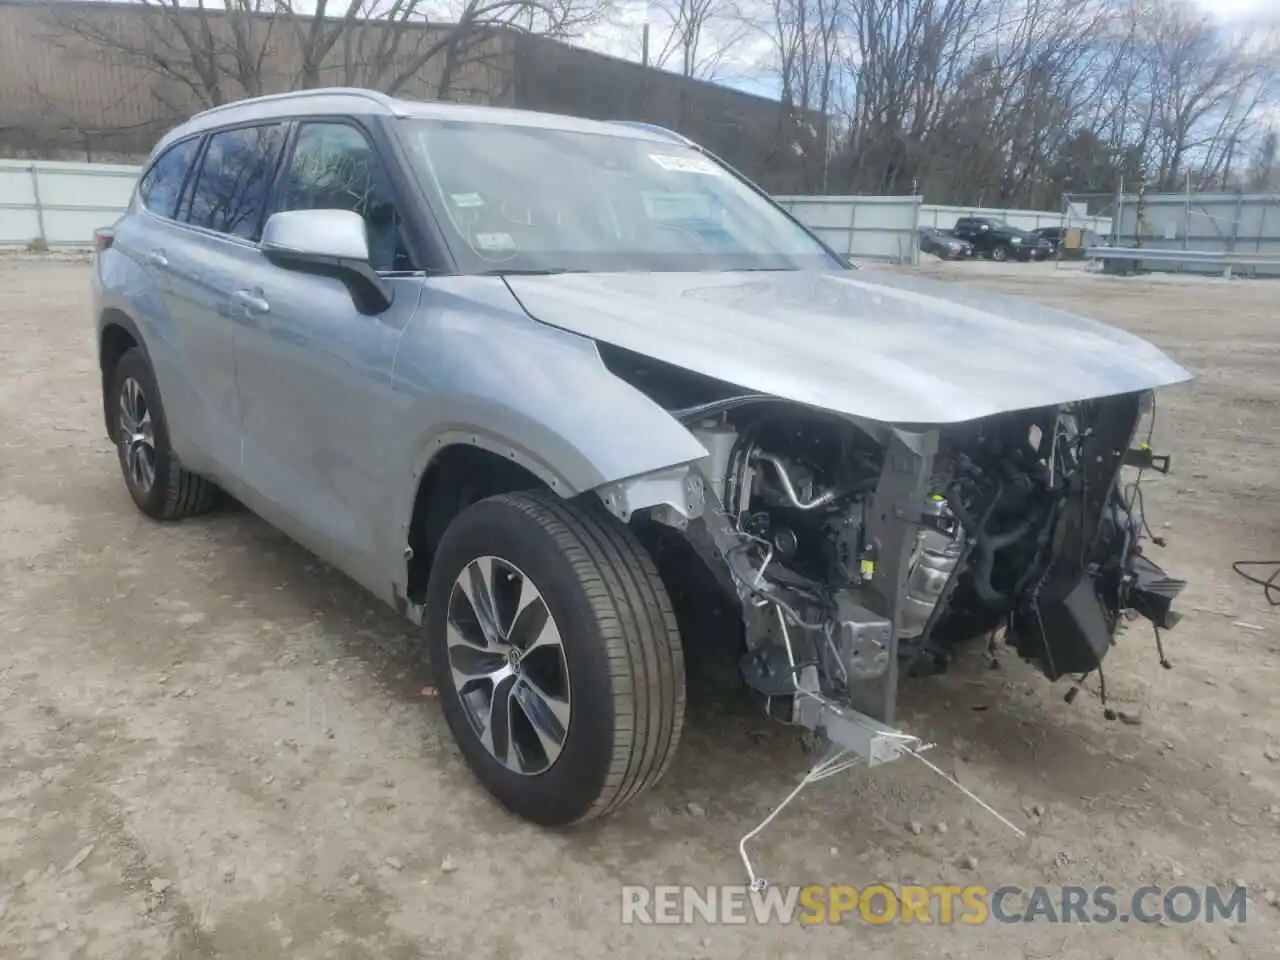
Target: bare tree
[807,38]
[695,37]
[913,76]
[215,51]
[1203,85]
[1014,101]
[211,53]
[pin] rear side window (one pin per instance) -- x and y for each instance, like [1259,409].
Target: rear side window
[161,185]
[234,182]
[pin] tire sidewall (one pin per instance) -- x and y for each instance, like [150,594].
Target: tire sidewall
[565,792]
[134,364]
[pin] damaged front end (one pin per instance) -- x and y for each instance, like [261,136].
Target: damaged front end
[858,553]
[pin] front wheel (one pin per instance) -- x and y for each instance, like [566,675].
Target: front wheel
[556,652]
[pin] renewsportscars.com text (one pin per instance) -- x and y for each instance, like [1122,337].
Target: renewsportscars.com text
[938,904]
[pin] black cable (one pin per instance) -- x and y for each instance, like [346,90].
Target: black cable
[1136,496]
[1270,588]
[1142,510]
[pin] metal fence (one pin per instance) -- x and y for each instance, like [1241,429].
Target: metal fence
[863,228]
[55,204]
[1214,223]
[884,228]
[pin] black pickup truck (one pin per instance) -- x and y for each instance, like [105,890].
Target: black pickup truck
[997,240]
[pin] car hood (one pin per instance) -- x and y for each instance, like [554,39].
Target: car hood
[868,343]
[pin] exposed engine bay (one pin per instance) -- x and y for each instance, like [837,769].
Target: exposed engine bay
[824,547]
[861,552]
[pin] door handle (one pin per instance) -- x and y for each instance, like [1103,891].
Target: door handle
[252,301]
[157,258]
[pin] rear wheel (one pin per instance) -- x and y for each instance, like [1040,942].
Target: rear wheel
[557,656]
[158,484]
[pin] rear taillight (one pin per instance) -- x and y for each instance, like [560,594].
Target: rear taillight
[103,238]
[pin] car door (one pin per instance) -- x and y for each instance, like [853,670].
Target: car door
[314,373]
[204,254]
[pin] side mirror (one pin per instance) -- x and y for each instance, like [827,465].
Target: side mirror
[330,243]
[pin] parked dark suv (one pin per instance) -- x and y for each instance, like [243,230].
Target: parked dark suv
[1053,236]
[997,240]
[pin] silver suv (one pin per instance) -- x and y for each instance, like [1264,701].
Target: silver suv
[588,406]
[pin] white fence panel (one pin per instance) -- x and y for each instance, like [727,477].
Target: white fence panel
[862,228]
[60,203]
[19,212]
[1240,223]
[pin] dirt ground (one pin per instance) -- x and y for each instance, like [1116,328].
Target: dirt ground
[213,746]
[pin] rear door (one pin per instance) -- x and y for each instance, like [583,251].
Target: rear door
[205,255]
[315,373]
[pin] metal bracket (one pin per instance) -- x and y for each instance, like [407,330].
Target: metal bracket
[677,494]
[869,740]
[1142,458]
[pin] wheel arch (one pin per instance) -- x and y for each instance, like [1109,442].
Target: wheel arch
[458,467]
[117,335]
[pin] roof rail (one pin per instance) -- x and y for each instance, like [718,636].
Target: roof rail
[372,95]
[654,128]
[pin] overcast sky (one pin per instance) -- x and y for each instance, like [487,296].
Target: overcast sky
[1243,9]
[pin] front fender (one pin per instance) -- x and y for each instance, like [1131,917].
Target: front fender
[473,368]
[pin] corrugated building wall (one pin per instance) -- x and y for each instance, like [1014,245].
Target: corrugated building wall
[68,97]
[65,94]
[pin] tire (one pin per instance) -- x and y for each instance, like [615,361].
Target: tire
[171,493]
[620,657]
[999,253]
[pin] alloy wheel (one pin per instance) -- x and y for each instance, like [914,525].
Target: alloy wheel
[507,664]
[137,436]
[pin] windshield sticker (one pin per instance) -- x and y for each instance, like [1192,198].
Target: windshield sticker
[467,199]
[495,241]
[685,164]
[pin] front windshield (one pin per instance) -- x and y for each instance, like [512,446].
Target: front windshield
[524,198]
